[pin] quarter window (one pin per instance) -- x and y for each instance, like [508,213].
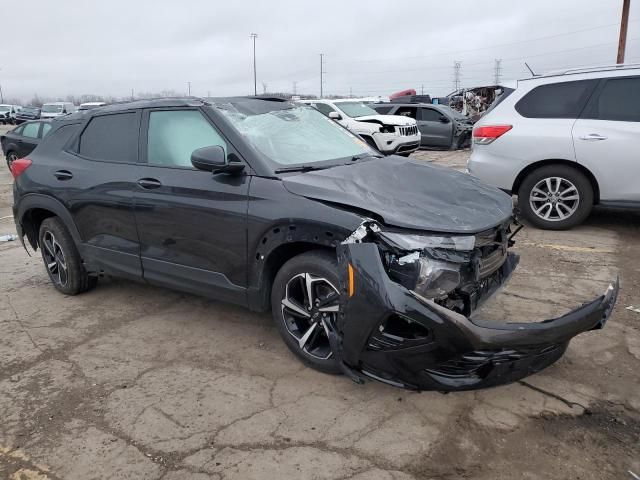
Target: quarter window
[619,100]
[175,134]
[556,100]
[112,138]
[45,129]
[31,130]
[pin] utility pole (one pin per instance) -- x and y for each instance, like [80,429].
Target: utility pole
[132,94]
[422,89]
[456,75]
[255,81]
[624,22]
[1,96]
[189,88]
[497,71]
[295,89]
[350,92]
[321,73]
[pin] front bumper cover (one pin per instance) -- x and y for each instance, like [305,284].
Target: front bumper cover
[453,352]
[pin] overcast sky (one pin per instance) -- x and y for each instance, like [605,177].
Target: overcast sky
[371,47]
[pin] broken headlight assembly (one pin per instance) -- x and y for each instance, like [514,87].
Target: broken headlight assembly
[433,269]
[387,129]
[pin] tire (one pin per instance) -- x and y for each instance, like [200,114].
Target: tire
[11,157]
[321,268]
[568,194]
[61,258]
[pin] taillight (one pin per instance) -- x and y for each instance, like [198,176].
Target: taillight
[486,134]
[19,166]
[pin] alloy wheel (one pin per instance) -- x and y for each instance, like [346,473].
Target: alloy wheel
[554,199]
[309,303]
[54,259]
[12,157]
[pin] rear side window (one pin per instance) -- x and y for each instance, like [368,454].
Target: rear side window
[410,112]
[112,138]
[45,129]
[619,100]
[556,100]
[31,130]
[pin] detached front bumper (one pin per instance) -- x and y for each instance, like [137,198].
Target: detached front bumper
[391,334]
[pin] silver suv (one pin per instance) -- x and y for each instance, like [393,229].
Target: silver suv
[564,142]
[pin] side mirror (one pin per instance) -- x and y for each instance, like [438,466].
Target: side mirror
[335,116]
[443,119]
[213,159]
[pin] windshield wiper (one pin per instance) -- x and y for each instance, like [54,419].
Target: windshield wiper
[355,158]
[299,168]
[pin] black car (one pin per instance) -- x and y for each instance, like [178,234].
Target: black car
[370,265]
[26,114]
[440,125]
[21,141]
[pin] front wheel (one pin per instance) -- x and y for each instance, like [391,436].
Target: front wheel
[555,197]
[304,298]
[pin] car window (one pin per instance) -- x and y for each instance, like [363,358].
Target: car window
[430,115]
[18,130]
[619,100]
[324,108]
[45,129]
[556,100]
[382,110]
[31,130]
[112,138]
[411,112]
[175,134]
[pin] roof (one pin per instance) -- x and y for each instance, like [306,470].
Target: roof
[587,69]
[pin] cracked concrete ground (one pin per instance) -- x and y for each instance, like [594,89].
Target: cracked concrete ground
[130,381]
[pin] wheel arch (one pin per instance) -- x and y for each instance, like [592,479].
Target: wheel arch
[35,208]
[279,244]
[543,163]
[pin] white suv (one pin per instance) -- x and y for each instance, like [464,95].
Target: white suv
[389,134]
[564,142]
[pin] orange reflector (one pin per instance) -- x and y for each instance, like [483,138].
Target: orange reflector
[352,289]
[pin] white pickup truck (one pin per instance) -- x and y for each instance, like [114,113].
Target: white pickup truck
[389,134]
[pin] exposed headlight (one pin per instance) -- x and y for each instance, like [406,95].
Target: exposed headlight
[420,242]
[436,279]
[387,129]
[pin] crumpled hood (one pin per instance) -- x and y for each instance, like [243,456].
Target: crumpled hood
[388,119]
[408,194]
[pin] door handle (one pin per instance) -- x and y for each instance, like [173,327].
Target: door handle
[149,183]
[593,137]
[63,175]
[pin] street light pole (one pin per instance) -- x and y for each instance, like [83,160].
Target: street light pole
[255,78]
[1,96]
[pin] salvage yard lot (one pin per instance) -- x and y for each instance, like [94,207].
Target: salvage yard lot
[133,381]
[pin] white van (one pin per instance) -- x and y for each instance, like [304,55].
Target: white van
[57,109]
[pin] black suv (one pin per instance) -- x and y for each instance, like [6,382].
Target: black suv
[371,266]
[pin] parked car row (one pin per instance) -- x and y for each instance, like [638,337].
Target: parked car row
[15,114]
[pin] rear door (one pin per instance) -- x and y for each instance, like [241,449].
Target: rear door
[607,138]
[94,178]
[192,223]
[435,131]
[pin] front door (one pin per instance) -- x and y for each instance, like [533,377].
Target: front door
[192,223]
[607,137]
[435,131]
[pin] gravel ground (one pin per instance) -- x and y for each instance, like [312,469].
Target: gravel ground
[133,381]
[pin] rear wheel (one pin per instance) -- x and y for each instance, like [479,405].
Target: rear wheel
[555,197]
[61,258]
[303,299]
[11,157]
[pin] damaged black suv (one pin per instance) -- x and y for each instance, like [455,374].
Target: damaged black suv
[371,266]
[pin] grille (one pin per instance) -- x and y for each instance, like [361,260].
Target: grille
[492,262]
[408,131]
[493,250]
